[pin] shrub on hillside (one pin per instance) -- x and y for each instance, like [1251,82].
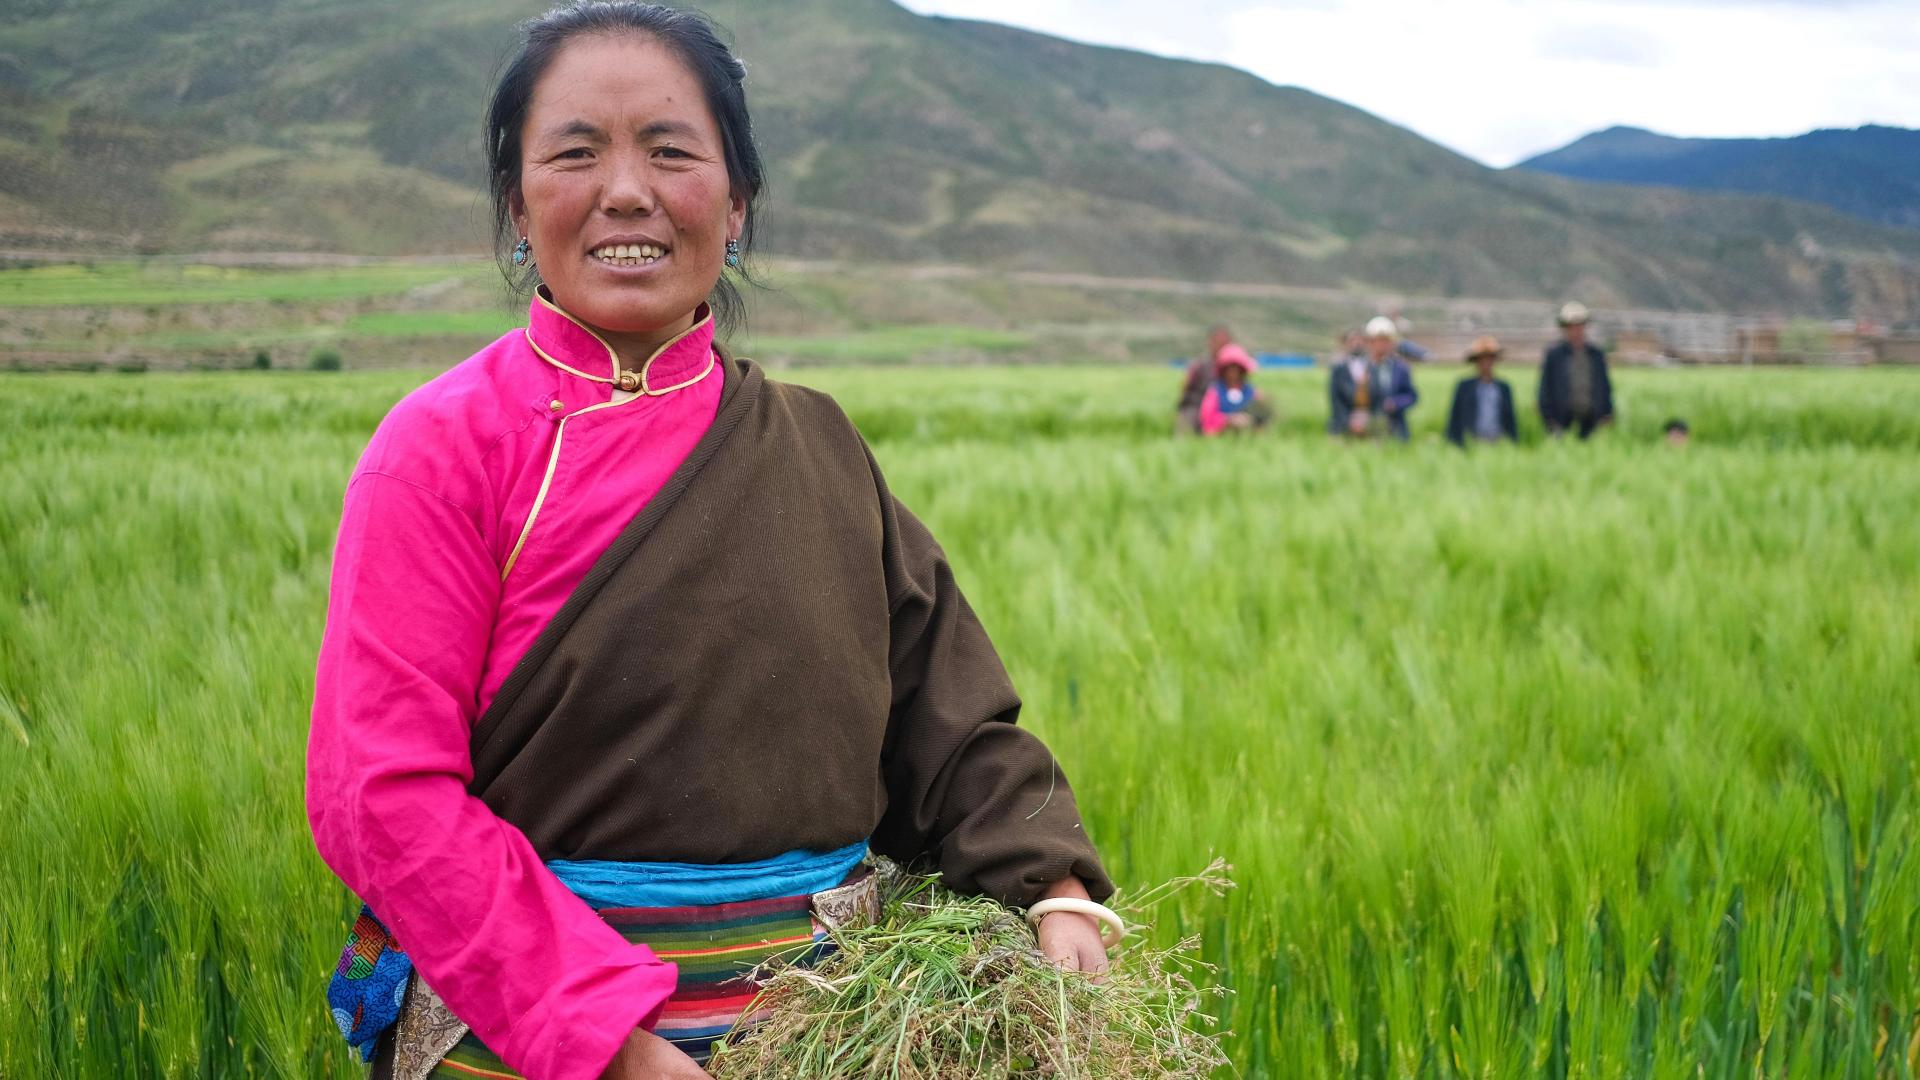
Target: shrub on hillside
[1806,339]
[323,360]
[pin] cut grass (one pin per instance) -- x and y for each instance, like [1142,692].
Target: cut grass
[951,987]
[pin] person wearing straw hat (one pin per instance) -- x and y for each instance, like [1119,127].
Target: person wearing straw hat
[1482,404]
[1575,391]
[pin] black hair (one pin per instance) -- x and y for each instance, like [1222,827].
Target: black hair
[1677,424]
[689,36]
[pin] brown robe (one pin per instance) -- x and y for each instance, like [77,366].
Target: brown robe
[773,656]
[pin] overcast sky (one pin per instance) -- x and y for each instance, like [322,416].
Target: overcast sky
[1501,80]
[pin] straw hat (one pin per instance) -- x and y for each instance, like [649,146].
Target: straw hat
[1575,313]
[1484,345]
[1381,326]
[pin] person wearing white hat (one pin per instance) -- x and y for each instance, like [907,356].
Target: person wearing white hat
[1380,387]
[1575,390]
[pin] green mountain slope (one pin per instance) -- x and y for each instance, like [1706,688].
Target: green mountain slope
[353,126]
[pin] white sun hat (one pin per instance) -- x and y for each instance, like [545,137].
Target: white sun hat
[1381,326]
[1575,313]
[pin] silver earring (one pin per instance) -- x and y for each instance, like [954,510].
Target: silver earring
[521,251]
[733,254]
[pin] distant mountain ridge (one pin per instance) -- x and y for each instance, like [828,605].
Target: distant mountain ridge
[352,125]
[1871,172]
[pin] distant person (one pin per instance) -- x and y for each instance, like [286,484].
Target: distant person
[1575,391]
[1200,375]
[1352,343]
[1408,351]
[1231,404]
[1482,405]
[1370,394]
[1678,433]
[1350,393]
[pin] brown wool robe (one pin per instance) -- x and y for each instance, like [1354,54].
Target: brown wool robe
[773,656]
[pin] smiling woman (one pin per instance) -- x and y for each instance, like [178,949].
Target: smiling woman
[631,149]
[631,657]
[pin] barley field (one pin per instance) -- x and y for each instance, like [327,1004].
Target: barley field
[1558,761]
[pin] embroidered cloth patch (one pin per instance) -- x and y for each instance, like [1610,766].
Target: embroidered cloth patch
[368,983]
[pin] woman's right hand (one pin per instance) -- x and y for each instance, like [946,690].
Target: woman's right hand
[646,1056]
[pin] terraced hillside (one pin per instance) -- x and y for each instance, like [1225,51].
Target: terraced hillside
[352,126]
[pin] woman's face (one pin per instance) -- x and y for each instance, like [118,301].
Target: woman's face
[624,194]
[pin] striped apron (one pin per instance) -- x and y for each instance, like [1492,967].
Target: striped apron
[717,924]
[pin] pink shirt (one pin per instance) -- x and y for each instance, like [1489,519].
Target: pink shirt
[482,501]
[1212,420]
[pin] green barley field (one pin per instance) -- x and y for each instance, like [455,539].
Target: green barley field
[1560,761]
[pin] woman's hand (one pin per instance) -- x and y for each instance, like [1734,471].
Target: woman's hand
[1070,939]
[646,1056]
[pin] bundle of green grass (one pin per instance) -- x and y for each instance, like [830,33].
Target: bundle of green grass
[946,987]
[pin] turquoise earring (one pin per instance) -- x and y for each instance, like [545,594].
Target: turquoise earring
[733,254]
[521,251]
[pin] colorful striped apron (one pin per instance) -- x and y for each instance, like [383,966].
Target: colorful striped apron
[716,949]
[717,924]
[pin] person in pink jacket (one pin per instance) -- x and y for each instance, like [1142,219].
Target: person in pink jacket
[1231,403]
[629,645]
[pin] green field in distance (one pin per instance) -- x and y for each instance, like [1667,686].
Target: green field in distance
[161,315]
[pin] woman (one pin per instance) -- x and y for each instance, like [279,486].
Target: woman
[1230,403]
[627,643]
[1482,404]
[1200,375]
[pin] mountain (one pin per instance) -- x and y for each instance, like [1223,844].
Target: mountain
[352,125]
[1871,172]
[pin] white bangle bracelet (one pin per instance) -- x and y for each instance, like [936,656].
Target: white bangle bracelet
[1113,929]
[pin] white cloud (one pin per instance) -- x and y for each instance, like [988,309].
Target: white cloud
[1500,80]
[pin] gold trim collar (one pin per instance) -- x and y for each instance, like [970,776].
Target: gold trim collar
[639,383]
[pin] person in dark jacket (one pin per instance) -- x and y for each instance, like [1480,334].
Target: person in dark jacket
[1575,391]
[1392,379]
[1370,394]
[1482,404]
